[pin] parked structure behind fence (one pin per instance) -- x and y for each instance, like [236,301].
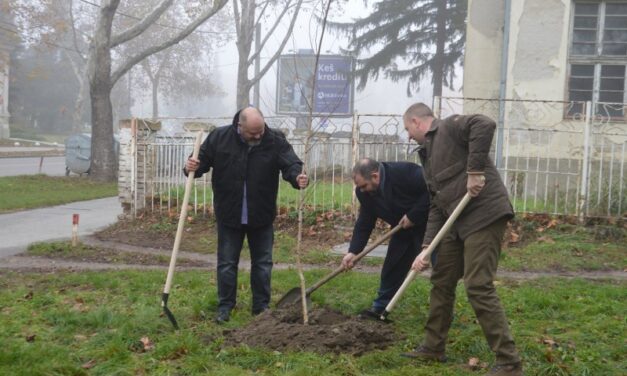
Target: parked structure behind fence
[555,157]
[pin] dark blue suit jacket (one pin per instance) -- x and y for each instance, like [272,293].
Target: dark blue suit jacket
[404,192]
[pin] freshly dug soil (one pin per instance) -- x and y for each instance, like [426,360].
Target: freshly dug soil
[327,332]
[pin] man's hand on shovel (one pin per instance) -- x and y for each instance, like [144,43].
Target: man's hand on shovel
[421,262]
[348,261]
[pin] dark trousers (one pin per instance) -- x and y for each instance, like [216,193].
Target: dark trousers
[402,250]
[475,259]
[230,241]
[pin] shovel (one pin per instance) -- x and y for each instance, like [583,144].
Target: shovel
[294,295]
[425,254]
[179,235]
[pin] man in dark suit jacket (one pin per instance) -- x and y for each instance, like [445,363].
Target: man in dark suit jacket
[397,193]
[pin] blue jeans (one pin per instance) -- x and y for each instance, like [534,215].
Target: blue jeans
[230,241]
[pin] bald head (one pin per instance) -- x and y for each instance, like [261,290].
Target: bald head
[252,125]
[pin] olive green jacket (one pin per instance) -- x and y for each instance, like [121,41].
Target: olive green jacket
[453,147]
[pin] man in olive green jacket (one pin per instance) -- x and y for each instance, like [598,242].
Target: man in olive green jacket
[455,157]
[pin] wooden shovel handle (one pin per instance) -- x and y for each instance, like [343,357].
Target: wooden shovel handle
[182,217]
[427,252]
[359,256]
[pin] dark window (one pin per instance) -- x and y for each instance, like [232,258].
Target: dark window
[598,41]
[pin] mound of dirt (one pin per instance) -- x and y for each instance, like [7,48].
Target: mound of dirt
[327,332]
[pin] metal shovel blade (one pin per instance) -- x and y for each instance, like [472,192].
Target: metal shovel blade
[292,297]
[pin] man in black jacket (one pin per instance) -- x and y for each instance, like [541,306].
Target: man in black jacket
[246,158]
[395,192]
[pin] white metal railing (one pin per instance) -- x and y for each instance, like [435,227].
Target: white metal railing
[557,157]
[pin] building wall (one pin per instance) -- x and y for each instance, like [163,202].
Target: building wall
[536,71]
[538,57]
[538,48]
[484,43]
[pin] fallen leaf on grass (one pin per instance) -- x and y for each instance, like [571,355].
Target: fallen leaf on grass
[148,345]
[89,364]
[475,364]
[550,342]
[546,239]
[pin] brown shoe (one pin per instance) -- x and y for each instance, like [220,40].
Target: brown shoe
[424,353]
[506,370]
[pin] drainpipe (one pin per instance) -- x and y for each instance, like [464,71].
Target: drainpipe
[503,85]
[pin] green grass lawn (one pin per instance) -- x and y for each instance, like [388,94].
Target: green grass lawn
[33,191]
[91,323]
[568,248]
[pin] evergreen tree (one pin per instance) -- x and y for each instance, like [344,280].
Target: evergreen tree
[428,36]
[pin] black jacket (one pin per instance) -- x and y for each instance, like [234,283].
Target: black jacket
[404,192]
[234,163]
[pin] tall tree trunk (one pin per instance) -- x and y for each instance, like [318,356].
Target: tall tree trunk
[103,158]
[245,29]
[440,44]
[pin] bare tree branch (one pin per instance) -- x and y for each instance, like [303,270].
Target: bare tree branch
[78,50]
[238,18]
[279,50]
[124,67]
[142,25]
[263,10]
[277,21]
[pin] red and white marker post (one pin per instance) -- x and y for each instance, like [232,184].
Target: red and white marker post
[74,230]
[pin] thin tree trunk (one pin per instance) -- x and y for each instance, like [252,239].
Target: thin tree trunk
[77,116]
[243,86]
[440,44]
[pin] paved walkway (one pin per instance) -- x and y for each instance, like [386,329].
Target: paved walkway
[19,229]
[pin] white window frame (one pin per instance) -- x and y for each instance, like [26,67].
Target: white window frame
[598,59]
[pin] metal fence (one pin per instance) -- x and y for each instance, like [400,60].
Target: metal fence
[555,157]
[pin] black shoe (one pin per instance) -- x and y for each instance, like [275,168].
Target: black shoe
[507,370]
[372,314]
[259,311]
[223,316]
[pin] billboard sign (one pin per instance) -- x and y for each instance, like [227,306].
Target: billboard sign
[333,83]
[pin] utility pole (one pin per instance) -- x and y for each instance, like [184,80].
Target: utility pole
[256,100]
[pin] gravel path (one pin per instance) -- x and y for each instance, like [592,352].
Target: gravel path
[31,263]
